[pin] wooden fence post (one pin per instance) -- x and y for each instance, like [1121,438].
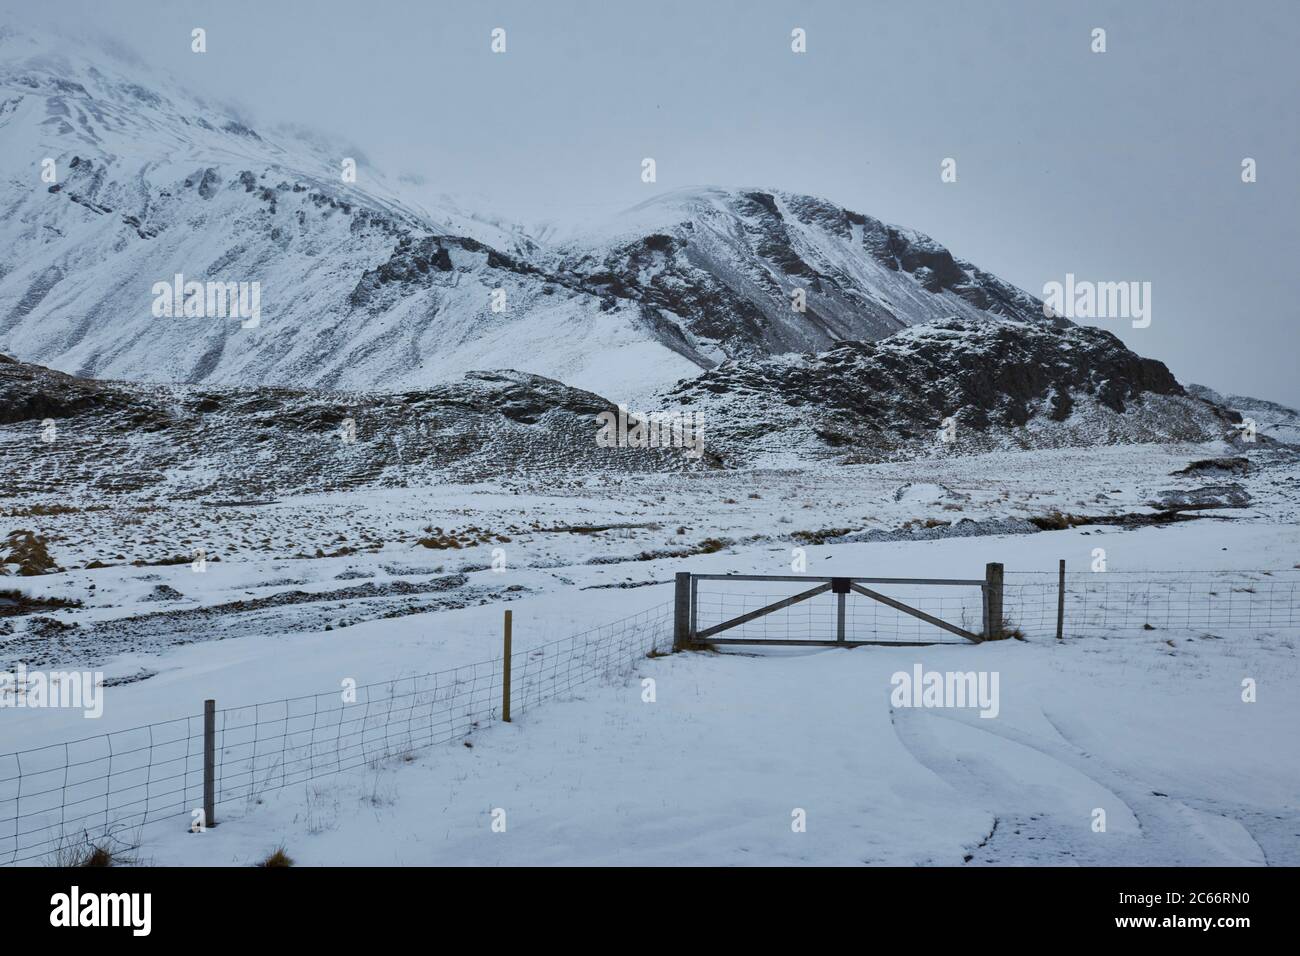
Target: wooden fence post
[682,611]
[992,601]
[505,674]
[209,763]
[1060,602]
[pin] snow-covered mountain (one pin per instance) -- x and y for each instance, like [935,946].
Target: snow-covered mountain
[363,288]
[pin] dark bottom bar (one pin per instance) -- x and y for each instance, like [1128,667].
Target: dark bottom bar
[233,906]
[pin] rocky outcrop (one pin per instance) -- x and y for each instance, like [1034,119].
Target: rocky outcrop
[31,392]
[985,383]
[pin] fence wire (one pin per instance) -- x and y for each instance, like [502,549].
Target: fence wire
[1108,603]
[1119,603]
[59,801]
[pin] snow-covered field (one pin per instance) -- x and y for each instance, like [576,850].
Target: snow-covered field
[1148,726]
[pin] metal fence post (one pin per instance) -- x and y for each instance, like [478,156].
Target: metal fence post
[992,601]
[682,611]
[209,763]
[984,607]
[1060,603]
[694,624]
[840,588]
[505,674]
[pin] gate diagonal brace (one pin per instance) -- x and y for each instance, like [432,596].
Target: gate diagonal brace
[745,618]
[928,618]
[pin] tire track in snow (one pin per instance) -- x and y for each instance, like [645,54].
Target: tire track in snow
[1016,837]
[1276,834]
[1170,832]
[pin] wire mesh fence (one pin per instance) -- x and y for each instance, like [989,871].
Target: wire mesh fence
[1109,603]
[868,620]
[108,785]
[59,801]
[1119,603]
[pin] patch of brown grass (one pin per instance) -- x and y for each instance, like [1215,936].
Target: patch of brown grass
[822,536]
[14,603]
[28,552]
[277,858]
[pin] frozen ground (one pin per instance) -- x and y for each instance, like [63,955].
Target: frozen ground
[713,770]
[308,563]
[1149,726]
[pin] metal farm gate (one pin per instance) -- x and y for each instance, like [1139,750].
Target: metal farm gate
[809,611]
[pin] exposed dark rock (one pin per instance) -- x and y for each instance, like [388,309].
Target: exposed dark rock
[32,392]
[424,262]
[208,183]
[987,376]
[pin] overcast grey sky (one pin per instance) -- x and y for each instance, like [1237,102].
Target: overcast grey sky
[1117,166]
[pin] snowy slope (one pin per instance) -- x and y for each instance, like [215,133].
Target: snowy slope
[361,288]
[1273,421]
[152,183]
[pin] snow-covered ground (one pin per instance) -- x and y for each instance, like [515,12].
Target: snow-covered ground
[1148,726]
[712,771]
